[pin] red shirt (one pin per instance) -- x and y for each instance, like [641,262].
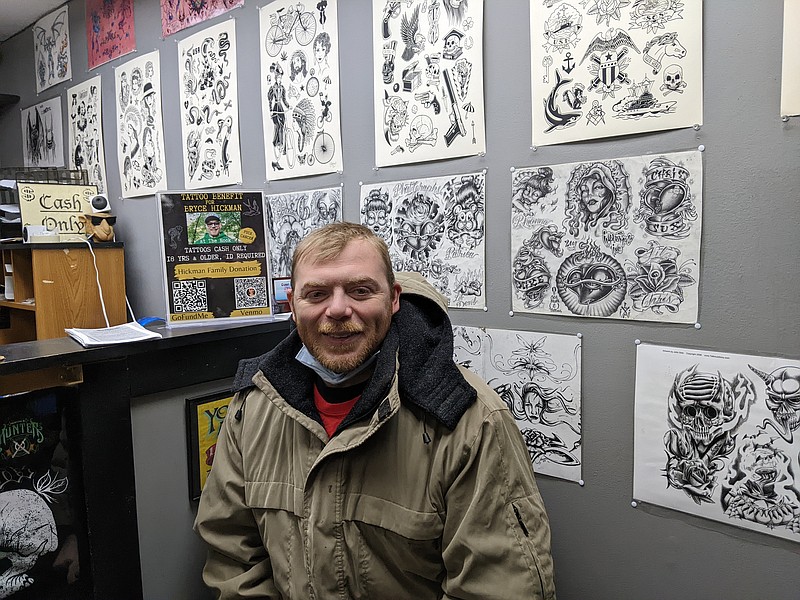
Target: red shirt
[333,413]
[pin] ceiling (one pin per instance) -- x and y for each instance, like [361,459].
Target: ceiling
[16,15]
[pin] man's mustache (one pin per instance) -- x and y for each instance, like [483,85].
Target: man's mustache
[344,328]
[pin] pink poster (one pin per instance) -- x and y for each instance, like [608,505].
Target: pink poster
[109,30]
[180,14]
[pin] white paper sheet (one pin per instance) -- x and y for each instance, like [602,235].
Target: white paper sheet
[300,89]
[604,68]
[428,72]
[538,375]
[290,217]
[434,226]
[51,49]
[43,134]
[210,107]
[140,129]
[615,239]
[715,435]
[790,78]
[86,149]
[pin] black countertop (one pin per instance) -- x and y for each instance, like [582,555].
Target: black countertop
[40,354]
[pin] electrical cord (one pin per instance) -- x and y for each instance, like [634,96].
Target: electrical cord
[130,310]
[99,287]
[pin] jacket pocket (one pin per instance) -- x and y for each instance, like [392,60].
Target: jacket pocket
[399,548]
[276,510]
[275,495]
[535,538]
[385,514]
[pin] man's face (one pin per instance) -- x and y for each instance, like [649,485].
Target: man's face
[343,307]
[213,227]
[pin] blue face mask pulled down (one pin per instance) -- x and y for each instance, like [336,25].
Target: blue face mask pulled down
[305,357]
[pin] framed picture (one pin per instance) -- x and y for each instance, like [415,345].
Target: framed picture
[204,417]
[280,287]
[215,258]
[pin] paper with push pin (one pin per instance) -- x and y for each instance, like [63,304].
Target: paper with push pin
[428,82]
[603,68]
[615,239]
[714,436]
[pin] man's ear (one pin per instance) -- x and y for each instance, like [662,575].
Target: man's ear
[396,291]
[290,298]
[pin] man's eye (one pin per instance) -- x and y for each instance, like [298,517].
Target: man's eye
[362,291]
[315,296]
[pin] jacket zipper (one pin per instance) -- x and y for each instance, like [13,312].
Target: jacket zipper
[519,520]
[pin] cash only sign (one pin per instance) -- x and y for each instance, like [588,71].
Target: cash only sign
[215,256]
[53,212]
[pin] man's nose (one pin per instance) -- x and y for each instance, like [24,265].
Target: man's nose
[339,305]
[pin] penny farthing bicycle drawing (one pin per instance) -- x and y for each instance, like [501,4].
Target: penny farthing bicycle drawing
[324,148]
[287,23]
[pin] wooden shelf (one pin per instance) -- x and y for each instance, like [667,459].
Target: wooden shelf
[61,278]
[19,305]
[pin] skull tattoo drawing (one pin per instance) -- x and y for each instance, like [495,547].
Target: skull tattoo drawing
[705,411]
[673,80]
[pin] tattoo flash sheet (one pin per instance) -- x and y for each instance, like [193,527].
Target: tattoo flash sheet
[790,78]
[86,149]
[300,88]
[43,134]
[292,216]
[210,107]
[616,239]
[715,437]
[435,227]
[140,128]
[110,30]
[428,71]
[538,376]
[51,49]
[180,14]
[603,68]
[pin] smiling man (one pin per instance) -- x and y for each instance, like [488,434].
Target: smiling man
[359,461]
[214,233]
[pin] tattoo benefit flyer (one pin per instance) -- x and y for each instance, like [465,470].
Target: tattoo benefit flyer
[215,256]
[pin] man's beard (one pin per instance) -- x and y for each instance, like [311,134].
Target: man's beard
[341,360]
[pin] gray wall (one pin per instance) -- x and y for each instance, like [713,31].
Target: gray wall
[171,555]
[604,549]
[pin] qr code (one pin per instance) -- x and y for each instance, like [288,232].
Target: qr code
[251,292]
[189,296]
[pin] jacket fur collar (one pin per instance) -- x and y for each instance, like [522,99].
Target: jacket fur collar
[420,340]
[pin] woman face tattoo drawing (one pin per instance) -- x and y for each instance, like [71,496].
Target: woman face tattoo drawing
[597,196]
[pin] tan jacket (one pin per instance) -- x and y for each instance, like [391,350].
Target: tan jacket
[404,502]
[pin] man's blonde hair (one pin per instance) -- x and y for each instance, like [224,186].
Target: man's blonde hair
[328,242]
